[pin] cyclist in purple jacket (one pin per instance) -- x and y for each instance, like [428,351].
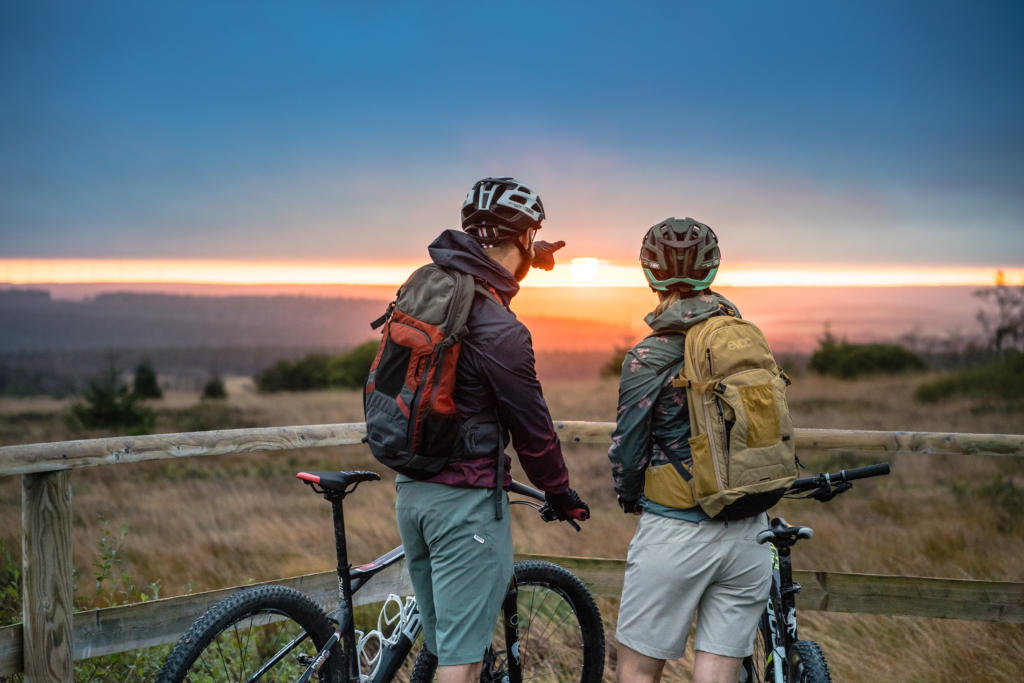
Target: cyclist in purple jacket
[457,539]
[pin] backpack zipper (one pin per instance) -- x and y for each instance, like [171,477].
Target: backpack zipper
[721,421]
[707,414]
[418,397]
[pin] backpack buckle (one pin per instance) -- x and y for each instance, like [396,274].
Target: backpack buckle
[384,318]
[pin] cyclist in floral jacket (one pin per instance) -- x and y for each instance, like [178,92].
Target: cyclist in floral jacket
[680,563]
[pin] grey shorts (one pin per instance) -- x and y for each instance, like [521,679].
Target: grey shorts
[676,569]
[460,562]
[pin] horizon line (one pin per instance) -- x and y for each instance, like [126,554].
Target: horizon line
[602,273]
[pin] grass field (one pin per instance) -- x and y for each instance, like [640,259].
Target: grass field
[203,523]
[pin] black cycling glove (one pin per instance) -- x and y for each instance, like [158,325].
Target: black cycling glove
[567,505]
[630,507]
[544,254]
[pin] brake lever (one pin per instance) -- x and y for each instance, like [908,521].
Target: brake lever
[549,514]
[828,494]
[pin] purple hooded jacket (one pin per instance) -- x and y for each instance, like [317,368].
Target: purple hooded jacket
[496,378]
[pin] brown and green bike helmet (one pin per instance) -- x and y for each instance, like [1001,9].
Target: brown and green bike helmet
[680,254]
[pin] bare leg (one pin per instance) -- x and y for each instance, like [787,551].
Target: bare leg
[709,668]
[634,667]
[461,673]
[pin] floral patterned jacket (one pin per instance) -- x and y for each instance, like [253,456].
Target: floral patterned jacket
[652,414]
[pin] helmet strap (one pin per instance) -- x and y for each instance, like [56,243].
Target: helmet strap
[524,266]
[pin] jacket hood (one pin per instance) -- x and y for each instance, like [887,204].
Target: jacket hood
[459,251]
[690,311]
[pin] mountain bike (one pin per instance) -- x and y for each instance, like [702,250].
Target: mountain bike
[549,629]
[779,654]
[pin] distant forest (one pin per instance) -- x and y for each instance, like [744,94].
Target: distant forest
[51,346]
[33,321]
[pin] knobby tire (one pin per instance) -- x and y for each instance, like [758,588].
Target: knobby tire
[807,663]
[560,631]
[235,637]
[757,667]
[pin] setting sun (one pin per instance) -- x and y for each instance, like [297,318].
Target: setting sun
[577,272]
[584,268]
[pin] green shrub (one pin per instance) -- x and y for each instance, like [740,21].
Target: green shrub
[10,586]
[847,360]
[214,389]
[304,374]
[349,370]
[145,384]
[107,404]
[1002,378]
[613,368]
[319,371]
[115,586]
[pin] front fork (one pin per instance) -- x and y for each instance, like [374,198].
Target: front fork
[781,604]
[510,612]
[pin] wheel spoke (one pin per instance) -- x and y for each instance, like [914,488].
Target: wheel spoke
[233,640]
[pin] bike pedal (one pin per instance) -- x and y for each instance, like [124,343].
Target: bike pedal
[792,590]
[304,659]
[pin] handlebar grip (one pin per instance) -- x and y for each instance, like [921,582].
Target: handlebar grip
[811,483]
[528,491]
[875,470]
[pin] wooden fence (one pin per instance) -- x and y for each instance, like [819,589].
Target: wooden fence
[52,636]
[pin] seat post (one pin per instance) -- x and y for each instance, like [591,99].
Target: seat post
[344,585]
[341,548]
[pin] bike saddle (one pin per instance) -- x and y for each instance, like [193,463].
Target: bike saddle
[337,481]
[781,531]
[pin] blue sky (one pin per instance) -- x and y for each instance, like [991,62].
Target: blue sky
[816,132]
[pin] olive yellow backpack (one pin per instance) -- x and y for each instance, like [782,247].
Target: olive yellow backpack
[741,433]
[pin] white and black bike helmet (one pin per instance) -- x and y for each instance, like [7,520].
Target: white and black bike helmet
[498,209]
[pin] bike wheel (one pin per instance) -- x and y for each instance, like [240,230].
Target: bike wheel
[561,637]
[757,668]
[807,663]
[245,632]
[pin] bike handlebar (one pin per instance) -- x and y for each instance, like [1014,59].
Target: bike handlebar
[837,482]
[547,513]
[528,491]
[808,483]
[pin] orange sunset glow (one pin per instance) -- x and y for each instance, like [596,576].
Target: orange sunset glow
[574,272]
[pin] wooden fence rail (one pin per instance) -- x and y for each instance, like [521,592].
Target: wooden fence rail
[50,457]
[51,637]
[130,627]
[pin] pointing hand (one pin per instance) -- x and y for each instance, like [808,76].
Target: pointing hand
[544,254]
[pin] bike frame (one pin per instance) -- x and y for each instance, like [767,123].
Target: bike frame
[781,608]
[393,651]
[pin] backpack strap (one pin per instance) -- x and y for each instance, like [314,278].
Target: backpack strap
[384,318]
[487,291]
[499,477]
[461,306]
[477,287]
[676,463]
[672,458]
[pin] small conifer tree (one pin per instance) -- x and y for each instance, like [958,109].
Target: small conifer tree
[214,389]
[146,385]
[107,403]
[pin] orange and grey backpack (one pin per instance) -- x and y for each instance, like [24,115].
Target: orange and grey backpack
[741,433]
[411,422]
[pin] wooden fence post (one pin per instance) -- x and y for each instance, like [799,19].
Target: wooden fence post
[47,591]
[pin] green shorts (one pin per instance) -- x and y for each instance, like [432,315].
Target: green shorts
[460,562]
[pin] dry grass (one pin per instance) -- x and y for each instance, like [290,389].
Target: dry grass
[205,523]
